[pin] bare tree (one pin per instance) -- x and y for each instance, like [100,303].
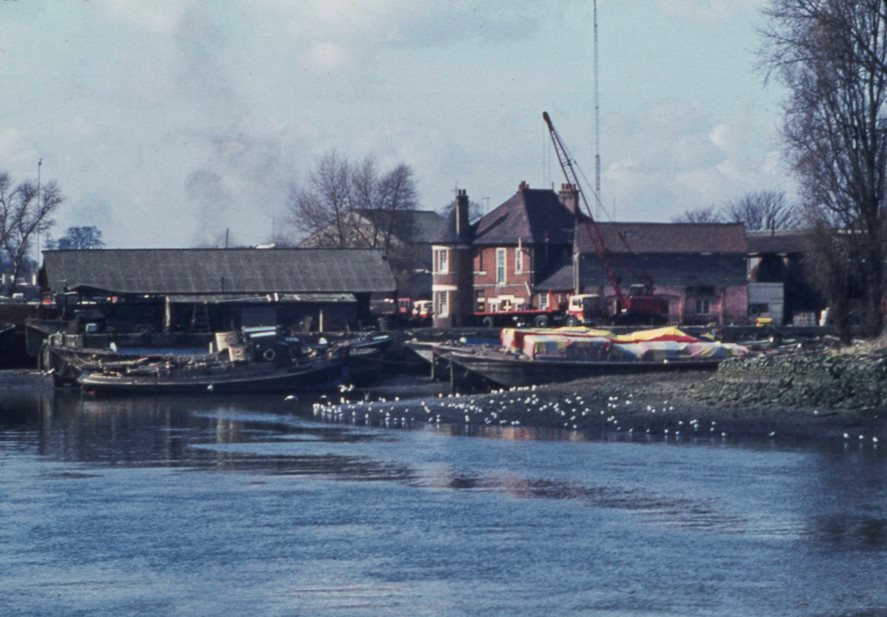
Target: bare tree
[759,210]
[708,214]
[320,209]
[397,197]
[827,264]
[353,205]
[81,238]
[25,212]
[832,56]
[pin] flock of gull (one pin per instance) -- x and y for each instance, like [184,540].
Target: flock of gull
[527,406]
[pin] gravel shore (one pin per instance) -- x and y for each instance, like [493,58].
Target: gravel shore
[794,397]
[678,406]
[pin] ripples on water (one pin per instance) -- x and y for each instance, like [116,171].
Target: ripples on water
[194,506]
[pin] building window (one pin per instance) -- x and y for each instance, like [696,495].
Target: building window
[443,308]
[758,309]
[500,266]
[543,301]
[480,303]
[518,260]
[479,261]
[703,307]
[441,261]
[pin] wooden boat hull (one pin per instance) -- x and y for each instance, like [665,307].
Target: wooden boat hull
[423,349]
[315,375]
[508,371]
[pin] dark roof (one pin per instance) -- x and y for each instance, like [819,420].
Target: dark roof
[426,224]
[669,238]
[663,269]
[533,215]
[414,226]
[780,241]
[559,280]
[410,227]
[213,271]
[675,269]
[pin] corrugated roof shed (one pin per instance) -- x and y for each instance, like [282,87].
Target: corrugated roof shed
[213,271]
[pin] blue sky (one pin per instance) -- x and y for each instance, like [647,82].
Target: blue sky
[167,122]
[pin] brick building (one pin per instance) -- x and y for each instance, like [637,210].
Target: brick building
[535,249]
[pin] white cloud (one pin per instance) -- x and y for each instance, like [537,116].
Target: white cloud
[672,156]
[327,57]
[722,136]
[159,16]
[706,11]
[16,152]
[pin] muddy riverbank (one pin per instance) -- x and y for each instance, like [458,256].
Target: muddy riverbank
[819,395]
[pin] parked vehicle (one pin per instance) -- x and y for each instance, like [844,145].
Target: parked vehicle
[422,312]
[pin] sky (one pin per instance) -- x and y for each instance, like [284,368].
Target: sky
[168,122]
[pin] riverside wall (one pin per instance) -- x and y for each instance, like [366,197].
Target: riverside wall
[818,380]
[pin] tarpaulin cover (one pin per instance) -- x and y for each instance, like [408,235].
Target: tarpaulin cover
[715,350]
[657,334]
[659,351]
[579,343]
[512,338]
[542,346]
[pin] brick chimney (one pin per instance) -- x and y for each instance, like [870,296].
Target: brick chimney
[569,196]
[523,186]
[461,213]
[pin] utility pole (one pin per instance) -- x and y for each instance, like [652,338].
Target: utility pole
[597,118]
[39,165]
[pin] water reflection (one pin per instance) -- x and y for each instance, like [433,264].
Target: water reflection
[851,531]
[164,505]
[273,436]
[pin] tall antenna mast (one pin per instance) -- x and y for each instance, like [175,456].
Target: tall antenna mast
[39,165]
[597,119]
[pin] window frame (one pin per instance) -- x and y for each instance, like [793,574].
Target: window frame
[442,261]
[501,266]
[443,303]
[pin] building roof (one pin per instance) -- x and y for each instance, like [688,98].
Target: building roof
[215,271]
[410,227]
[533,215]
[663,238]
[426,224]
[779,241]
[691,270]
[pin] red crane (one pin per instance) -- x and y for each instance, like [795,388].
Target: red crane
[633,308]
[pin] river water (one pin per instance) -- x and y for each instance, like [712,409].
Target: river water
[250,506]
